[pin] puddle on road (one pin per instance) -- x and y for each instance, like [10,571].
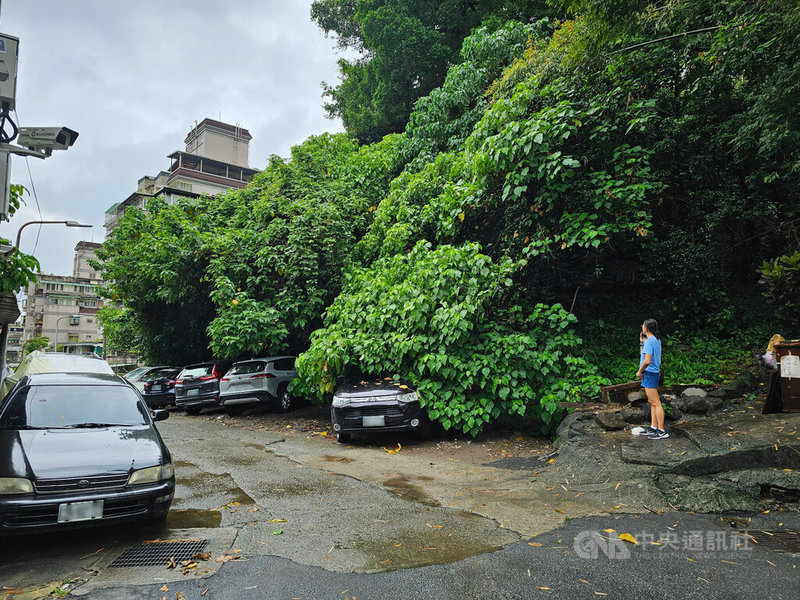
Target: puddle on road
[341,459]
[417,549]
[190,518]
[402,488]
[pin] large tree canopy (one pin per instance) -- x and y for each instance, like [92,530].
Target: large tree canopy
[561,182]
[405,50]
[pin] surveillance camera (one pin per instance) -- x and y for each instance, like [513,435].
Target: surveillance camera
[46,139]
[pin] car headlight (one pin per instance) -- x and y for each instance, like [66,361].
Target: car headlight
[412,397]
[339,401]
[151,474]
[15,485]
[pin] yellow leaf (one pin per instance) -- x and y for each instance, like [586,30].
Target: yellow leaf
[618,506]
[323,433]
[542,588]
[609,530]
[164,588]
[534,544]
[277,521]
[461,217]
[628,538]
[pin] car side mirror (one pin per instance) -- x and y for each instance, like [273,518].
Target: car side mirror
[160,415]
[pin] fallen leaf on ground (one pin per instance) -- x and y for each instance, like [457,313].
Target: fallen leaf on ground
[171,564]
[608,530]
[277,532]
[542,587]
[178,596]
[201,556]
[277,521]
[393,450]
[434,526]
[204,592]
[534,544]
[164,588]
[628,538]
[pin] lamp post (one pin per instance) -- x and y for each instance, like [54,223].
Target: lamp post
[67,223]
[55,341]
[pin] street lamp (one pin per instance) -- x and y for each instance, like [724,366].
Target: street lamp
[67,223]
[55,341]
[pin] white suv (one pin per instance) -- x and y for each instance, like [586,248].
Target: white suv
[258,381]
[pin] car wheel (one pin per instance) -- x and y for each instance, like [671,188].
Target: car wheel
[423,432]
[192,411]
[233,411]
[343,438]
[285,400]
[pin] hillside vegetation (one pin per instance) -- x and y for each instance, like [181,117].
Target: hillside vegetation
[565,180]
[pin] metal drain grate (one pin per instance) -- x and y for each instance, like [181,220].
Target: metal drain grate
[783,540]
[158,553]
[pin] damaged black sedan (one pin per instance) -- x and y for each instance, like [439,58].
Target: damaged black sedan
[377,405]
[80,449]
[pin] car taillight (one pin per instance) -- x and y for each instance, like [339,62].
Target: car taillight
[178,381]
[208,377]
[262,376]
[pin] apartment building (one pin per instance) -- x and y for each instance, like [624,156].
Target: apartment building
[64,308]
[215,160]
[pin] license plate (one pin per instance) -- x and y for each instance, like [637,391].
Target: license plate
[80,511]
[192,392]
[155,388]
[373,421]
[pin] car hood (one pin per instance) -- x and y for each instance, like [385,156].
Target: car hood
[375,388]
[62,453]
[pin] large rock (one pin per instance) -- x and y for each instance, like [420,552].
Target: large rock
[636,396]
[694,391]
[609,420]
[636,413]
[693,404]
[726,392]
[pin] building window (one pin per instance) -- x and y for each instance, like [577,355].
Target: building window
[73,337]
[75,320]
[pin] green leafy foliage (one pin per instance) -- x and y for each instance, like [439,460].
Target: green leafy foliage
[16,268]
[618,163]
[36,343]
[406,49]
[430,317]
[782,279]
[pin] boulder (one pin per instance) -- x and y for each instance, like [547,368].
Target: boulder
[693,404]
[636,413]
[636,396]
[726,392]
[609,420]
[674,414]
[694,391]
[572,423]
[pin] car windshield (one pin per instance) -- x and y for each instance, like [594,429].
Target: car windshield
[245,368]
[159,374]
[198,371]
[135,374]
[55,406]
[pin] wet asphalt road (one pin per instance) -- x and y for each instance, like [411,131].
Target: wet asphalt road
[304,532]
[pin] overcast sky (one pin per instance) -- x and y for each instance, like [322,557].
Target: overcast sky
[132,78]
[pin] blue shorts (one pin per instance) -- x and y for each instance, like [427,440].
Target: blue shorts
[650,380]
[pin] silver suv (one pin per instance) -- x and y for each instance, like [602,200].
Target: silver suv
[258,381]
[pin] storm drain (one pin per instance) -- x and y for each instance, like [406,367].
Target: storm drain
[779,541]
[153,554]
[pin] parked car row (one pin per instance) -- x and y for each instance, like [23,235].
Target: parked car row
[235,386]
